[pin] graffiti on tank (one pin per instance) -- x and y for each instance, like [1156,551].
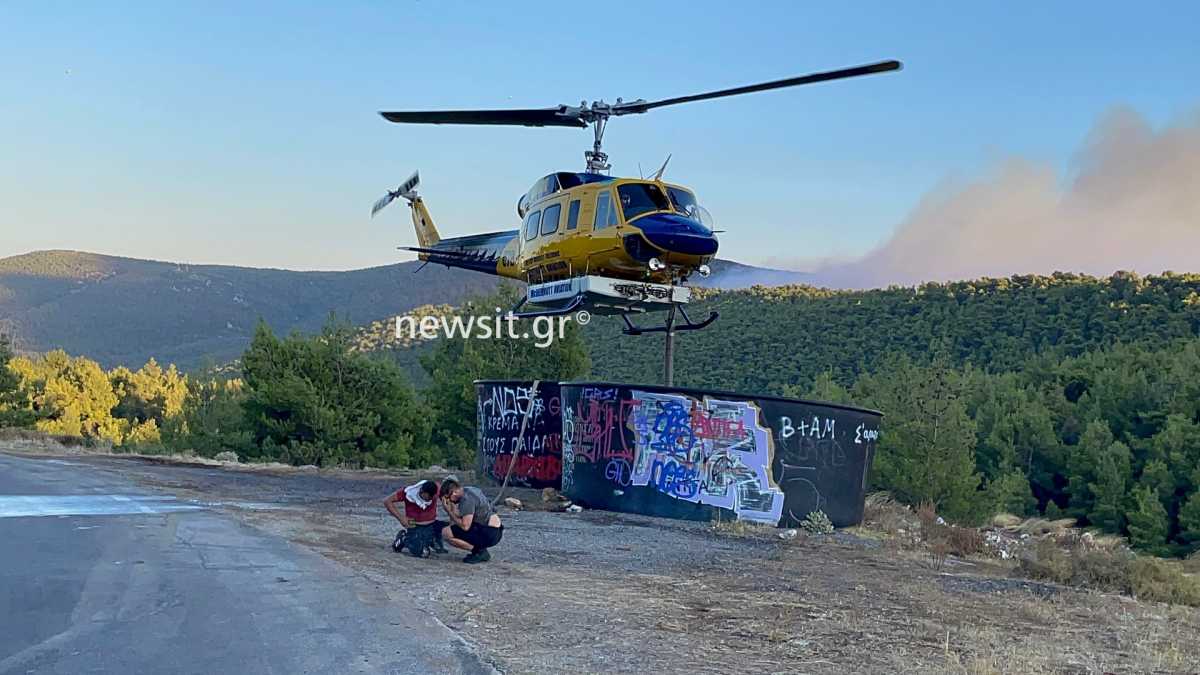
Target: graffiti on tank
[804,496]
[815,428]
[710,452]
[810,442]
[596,433]
[545,468]
[505,406]
[865,434]
[673,430]
[568,448]
[617,471]
[500,412]
[600,393]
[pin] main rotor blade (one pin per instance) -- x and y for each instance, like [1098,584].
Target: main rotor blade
[641,106]
[560,116]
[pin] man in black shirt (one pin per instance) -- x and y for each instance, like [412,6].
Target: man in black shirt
[475,525]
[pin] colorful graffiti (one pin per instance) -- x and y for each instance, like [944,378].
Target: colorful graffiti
[705,451]
[708,451]
[536,458]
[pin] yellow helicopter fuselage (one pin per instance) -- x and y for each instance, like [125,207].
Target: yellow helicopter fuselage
[577,224]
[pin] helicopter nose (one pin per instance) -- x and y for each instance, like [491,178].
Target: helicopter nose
[677,234]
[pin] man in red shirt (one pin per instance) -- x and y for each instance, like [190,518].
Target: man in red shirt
[422,530]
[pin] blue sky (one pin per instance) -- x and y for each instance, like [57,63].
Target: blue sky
[222,133]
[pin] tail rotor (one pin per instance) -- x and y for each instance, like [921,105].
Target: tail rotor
[407,190]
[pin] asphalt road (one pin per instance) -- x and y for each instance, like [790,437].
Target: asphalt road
[98,575]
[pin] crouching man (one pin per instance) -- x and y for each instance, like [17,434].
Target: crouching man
[475,525]
[422,531]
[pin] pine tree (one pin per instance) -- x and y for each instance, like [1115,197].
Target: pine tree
[211,421]
[1189,521]
[1015,428]
[1148,522]
[70,396]
[1082,467]
[1178,444]
[1010,493]
[13,404]
[926,448]
[1158,477]
[826,388]
[1112,474]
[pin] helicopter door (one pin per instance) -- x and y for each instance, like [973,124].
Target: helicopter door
[551,215]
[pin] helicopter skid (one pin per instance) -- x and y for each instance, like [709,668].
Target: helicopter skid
[604,295]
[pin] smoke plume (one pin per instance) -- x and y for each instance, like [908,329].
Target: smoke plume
[1132,203]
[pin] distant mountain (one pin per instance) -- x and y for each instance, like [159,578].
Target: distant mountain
[728,275]
[122,311]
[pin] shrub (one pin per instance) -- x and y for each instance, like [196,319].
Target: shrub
[1120,571]
[963,541]
[817,523]
[944,539]
[312,400]
[1159,581]
[883,513]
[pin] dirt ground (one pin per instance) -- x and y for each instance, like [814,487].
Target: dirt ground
[600,592]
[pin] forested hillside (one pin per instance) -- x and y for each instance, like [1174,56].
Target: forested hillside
[771,338]
[123,311]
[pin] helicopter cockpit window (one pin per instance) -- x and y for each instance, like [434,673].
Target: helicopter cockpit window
[685,203]
[550,218]
[641,198]
[681,199]
[531,225]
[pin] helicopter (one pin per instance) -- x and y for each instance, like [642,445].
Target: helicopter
[610,244]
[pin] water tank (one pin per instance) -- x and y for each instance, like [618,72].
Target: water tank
[696,454]
[500,407]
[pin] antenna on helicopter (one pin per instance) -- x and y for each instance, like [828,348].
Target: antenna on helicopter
[596,115]
[662,169]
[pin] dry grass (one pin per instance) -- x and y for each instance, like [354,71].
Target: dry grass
[1038,527]
[1005,520]
[42,439]
[943,539]
[40,443]
[884,514]
[743,528]
[1117,570]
